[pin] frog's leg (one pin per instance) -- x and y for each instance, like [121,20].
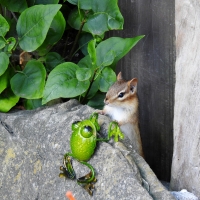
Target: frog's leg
[87,181]
[113,130]
[67,168]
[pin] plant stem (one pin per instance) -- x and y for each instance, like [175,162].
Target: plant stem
[91,82]
[14,16]
[76,40]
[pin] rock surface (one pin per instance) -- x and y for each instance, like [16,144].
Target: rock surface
[186,157]
[32,145]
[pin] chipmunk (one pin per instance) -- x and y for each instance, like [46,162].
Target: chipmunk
[121,105]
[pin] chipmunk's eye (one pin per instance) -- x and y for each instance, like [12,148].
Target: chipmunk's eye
[121,94]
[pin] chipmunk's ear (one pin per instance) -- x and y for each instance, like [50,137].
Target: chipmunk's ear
[119,77]
[133,84]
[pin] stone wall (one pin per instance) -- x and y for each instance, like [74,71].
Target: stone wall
[186,157]
[32,145]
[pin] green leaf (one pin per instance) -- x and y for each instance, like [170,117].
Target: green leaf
[33,25]
[117,46]
[46,2]
[4,61]
[31,104]
[62,82]
[52,60]
[92,52]
[110,51]
[54,34]
[94,88]
[86,62]
[11,43]
[7,100]
[4,26]
[107,78]
[109,58]
[14,5]
[97,101]
[83,42]
[2,43]
[83,4]
[5,80]
[104,15]
[30,82]
[74,2]
[97,24]
[83,74]
[74,20]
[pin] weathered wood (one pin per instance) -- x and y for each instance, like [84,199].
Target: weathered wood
[152,62]
[186,157]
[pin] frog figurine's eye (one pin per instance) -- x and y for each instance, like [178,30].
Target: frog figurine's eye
[75,125]
[87,131]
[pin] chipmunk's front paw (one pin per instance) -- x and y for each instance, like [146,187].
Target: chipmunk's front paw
[100,112]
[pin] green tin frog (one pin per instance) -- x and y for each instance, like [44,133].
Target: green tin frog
[83,143]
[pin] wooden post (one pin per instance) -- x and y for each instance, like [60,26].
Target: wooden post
[152,61]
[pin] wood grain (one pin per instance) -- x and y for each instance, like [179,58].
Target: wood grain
[152,61]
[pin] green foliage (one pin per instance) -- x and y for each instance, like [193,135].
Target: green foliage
[62,82]
[30,82]
[30,29]
[3,62]
[38,20]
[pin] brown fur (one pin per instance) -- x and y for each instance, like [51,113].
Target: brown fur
[124,109]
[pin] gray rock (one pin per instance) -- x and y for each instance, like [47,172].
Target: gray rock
[32,145]
[184,195]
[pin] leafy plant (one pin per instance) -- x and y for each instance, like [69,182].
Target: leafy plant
[34,71]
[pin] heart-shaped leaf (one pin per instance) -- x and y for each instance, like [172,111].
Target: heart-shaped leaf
[7,100]
[4,26]
[109,58]
[116,46]
[85,62]
[83,74]
[107,78]
[62,82]
[30,82]
[103,15]
[4,61]
[54,34]
[53,59]
[33,25]
[5,80]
